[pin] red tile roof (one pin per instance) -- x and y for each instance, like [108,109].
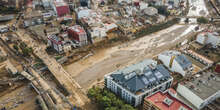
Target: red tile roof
[62,8]
[217,69]
[158,100]
[78,29]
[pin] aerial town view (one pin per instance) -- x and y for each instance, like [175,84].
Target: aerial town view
[109,54]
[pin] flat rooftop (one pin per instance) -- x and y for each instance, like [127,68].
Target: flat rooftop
[165,101]
[203,85]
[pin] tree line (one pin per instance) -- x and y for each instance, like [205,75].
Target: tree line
[106,100]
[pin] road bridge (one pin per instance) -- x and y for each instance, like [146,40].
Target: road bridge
[76,94]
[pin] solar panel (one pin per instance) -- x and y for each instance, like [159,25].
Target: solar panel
[148,73]
[158,75]
[152,79]
[145,80]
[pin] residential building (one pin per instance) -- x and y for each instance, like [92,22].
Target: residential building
[92,21]
[33,18]
[201,89]
[175,3]
[212,38]
[85,12]
[164,101]
[78,34]
[176,62]
[125,26]
[4,28]
[47,3]
[150,11]
[61,8]
[137,81]
[60,43]
[199,57]
[12,3]
[125,1]
[217,68]
[85,3]
[6,18]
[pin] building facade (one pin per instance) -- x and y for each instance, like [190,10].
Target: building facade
[164,101]
[209,38]
[78,34]
[60,43]
[201,90]
[137,81]
[60,8]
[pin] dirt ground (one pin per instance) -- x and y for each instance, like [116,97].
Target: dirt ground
[22,98]
[88,71]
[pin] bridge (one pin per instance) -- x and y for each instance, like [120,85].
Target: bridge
[53,99]
[76,94]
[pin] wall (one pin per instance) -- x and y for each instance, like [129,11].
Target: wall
[190,96]
[175,66]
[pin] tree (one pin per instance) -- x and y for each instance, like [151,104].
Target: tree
[186,20]
[112,108]
[202,20]
[118,103]
[94,93]
[106,102]
[127,107]
[22,45]
[26,51]
[15,47]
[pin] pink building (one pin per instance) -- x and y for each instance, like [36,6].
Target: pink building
[78,34]
[61,8]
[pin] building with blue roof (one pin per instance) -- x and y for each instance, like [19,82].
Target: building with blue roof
[137,81]
[176,62]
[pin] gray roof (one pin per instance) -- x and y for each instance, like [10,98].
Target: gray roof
[141,76]
[183,61]
[6,17]
[150,11]
[180,58]
[204,85]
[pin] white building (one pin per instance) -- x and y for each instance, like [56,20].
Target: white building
[125,1]
[201,90]
[137,81]
[92,21]
[175,3]
[176,62]
[4,28]
[60,43]
[209,38]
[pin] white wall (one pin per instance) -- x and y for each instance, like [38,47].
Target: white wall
[127,95]
[200,39]
[214,40]
[189,95]
[175,66]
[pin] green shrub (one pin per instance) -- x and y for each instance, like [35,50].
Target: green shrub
[156,28]
[202,20]
[107,100]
